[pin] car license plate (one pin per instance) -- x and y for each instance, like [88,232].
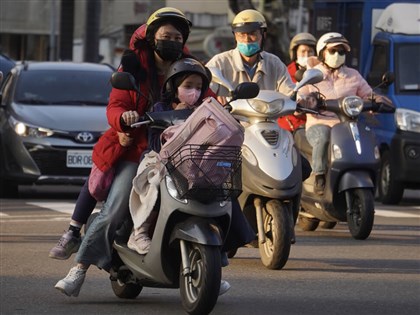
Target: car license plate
[79,159]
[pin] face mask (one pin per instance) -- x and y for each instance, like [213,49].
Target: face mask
[188,96]
[248,49]
[334,61]
[169,50]
[302,61]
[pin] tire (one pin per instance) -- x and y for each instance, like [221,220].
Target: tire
[124,290]
[390,190]
[276,249]
[199,292]
[308,224]
[360,221]
[327,225]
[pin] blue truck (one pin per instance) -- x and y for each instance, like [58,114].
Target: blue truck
[385,38]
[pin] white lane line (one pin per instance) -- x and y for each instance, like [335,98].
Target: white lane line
[395,214]
[63,207]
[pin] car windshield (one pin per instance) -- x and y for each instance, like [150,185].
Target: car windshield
[408,68]
[66,87]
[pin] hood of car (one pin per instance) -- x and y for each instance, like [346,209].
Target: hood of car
[61,117]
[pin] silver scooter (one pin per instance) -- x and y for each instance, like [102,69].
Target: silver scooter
[271,169]
[189,232]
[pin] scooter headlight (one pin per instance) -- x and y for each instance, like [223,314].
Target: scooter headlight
[352,106]
[266,108]
[173,192]
[337,154]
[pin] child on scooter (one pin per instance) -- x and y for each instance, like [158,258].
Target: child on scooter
[184,88]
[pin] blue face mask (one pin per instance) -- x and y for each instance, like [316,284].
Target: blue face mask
[248,49]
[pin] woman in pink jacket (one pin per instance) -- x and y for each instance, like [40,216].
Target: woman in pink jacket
[339,81]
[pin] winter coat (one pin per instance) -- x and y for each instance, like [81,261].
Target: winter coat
[292,122]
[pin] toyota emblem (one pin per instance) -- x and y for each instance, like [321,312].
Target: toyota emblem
[84,137]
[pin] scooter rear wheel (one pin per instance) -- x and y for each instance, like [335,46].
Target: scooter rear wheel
[200,288]
[124,290]
[362,211]
[308,224]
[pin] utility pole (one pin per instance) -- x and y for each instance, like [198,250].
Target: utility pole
[53,31]
[92,25]
[66,29]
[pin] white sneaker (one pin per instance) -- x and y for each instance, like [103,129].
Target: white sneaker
[72,283]
[224,287]
[139,242]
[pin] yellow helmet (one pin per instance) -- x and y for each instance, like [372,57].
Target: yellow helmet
[248,21]
[164,15]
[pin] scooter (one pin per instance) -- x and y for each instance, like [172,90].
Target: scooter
[189,232]
[354,161]
[271,169]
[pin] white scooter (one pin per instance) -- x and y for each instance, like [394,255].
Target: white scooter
[271,169]
[189,232]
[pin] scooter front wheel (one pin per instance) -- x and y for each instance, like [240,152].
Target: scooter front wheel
[200,286]
[361,215]
[276,248]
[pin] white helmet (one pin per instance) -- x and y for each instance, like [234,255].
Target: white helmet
[330,40]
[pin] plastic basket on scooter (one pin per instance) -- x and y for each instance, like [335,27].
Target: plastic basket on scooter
[206,173]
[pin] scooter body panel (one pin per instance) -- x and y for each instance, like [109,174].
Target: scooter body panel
[357,168]
[191,221]
[271,163]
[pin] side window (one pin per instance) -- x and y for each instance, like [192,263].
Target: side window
[379,64]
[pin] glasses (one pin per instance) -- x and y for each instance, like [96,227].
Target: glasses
[251,35]
[332,51]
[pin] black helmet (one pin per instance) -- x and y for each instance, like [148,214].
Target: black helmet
[182,67]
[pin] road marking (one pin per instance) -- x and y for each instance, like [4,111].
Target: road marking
[63,206]
[395,214]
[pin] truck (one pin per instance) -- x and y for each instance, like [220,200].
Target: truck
[385,39]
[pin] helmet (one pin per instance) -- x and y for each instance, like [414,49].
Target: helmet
[164,15]
[330,40]
[301,39]
[248,21]
[184,66]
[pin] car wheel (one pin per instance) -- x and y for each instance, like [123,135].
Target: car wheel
[390,190]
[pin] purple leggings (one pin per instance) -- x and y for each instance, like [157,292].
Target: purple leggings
[85,205]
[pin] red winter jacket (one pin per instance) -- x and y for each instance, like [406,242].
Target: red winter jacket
[108,149]
[292,122]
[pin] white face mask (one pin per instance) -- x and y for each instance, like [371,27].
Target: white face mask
[188,96]
[302,61]
[334,61]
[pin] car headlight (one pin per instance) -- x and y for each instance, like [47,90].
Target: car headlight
[352,106]
[408,120]
[262,107]
[26,130]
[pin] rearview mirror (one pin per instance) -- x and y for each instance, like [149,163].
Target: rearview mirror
[246,90]
[124,81]
[310,76]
